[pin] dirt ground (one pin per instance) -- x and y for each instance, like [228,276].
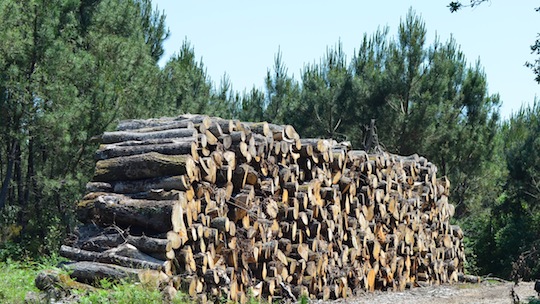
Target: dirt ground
[492,293]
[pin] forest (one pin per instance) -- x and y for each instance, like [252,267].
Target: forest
[71,69]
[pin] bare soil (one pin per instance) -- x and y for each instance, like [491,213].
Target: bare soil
[487,292]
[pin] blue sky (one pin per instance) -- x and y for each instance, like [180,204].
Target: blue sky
[241,38]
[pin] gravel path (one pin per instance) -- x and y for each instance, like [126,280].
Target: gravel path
[492,293]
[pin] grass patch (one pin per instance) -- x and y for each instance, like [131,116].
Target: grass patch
[18,279]
[123,293]
[127,293]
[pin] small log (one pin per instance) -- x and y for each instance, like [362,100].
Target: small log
[259,128]
[221,224]
[468,278]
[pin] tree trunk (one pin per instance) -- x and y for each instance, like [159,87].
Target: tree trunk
[9,175]
[31,187]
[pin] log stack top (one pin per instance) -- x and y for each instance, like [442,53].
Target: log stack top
[223,207]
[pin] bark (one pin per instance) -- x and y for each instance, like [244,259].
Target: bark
[105,242]
[123,211]
[19,177]
[153,125]
[175,148]
[117,256]
[143,166]
[55,282]
[93,272]
[9,175]
[154,141]
[120,136]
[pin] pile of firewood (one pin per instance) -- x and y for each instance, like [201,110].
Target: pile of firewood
[221,208]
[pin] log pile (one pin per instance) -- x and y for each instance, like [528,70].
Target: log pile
[222,207]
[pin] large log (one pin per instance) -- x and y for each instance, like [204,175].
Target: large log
[110,209]
[179,182]
[174,148]
[154,141]
[114,256]
[163,123]
[53,281]
[119,136]
[143,166]
[93,272]
[108,241]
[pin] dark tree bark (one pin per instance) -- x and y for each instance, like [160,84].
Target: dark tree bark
[8,177]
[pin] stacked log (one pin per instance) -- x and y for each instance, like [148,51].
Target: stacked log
[223,208]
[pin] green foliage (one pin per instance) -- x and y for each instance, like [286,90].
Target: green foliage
[517,215]
[154,29]
[281,94]
[326,95]
[122,293]
[504,236]
[535,49]
[186,87]
[68,70]
[252,106]
[18,279]
[304,299]
[186,83]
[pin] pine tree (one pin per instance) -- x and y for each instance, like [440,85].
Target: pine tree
[186,84]
[281,93]
[326,95]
